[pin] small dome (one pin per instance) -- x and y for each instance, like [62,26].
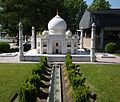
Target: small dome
[68,34]
[57,24]
[45,32]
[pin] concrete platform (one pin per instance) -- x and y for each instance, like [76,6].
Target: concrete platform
[99,59]
[82,56]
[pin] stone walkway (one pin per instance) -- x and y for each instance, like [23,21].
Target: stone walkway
[107,60]
[112,59]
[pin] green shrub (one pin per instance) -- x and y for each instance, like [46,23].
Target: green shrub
[77,81]
[43,61]
[35,80]
[81,94]
[4,47]
[71,74]
[68,60]
[111,47]
[37,71]
[27,93]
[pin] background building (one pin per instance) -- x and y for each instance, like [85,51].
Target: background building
[107,27]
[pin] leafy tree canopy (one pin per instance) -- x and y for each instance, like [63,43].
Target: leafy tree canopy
[38,13]
[73,11]
[100,4]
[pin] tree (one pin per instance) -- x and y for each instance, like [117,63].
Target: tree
[73,11]
[38,13]
[100,4]
[29,12]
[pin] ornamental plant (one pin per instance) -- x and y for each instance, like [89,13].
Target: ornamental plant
[111,47]
[81,94]
[68,60]
[27,93]
[4,47]
[80,91]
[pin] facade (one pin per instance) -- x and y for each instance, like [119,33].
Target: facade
[57,40]
[55,43]
[107,27]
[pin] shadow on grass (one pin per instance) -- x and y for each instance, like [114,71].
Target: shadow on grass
[43,85]
[43,77]
[49,69]
[47,73]
[42,95]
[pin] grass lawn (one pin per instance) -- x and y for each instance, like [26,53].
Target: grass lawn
[11,78]
[104,80]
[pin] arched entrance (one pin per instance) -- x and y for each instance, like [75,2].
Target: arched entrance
[56,47]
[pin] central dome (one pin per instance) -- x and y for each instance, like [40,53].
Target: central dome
[57,25]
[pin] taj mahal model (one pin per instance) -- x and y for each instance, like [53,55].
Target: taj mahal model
[57,40]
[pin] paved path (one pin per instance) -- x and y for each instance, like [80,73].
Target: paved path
[100,60]
[109,60]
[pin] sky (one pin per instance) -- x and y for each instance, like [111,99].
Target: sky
[113,3]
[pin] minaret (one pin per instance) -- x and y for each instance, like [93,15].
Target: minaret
[57,12]
[21,52]
[92,52]
[81,38]
[33,38]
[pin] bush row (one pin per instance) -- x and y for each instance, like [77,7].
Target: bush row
[80,91]
[30,90]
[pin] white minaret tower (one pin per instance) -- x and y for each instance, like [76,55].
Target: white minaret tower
[92,52]
[33,38]
[81,38]
[21,42]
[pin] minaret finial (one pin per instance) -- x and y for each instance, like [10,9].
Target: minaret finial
[57,12]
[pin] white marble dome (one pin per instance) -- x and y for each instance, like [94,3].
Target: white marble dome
[57,25]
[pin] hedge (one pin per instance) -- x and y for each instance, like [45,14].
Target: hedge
[80,91]
[4,47]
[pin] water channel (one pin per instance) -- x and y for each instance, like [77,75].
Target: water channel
[55,89]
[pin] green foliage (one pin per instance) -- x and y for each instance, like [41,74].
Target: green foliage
[100,4]
[35,80]
[77,81]
[37,70]
[28,12]
[4,47]
[81,94]
[39,12]
[40,67]
[43,60]
[111,47]
[73,11]
[68,60]
[27,93]
[32,86]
